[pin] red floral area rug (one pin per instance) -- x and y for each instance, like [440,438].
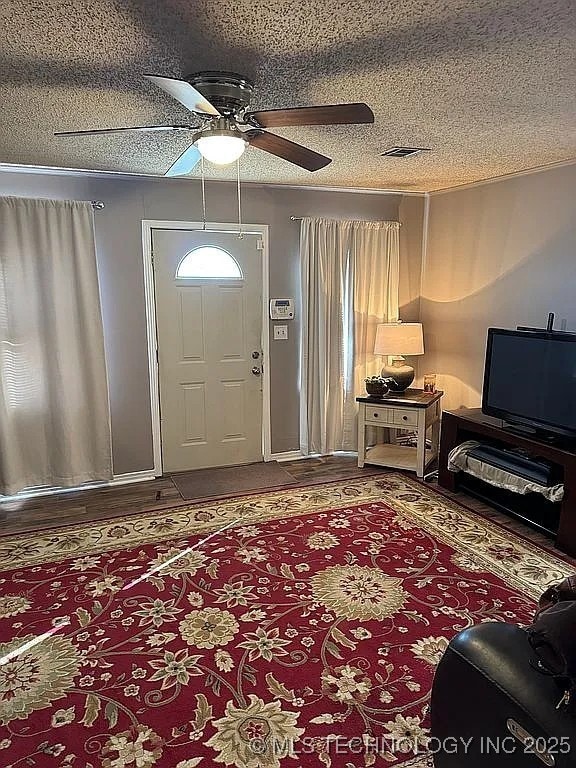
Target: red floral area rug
[304,634]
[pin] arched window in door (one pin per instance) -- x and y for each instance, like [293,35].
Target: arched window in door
[209,261]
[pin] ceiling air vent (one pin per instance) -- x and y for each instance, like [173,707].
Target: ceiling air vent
[403,151]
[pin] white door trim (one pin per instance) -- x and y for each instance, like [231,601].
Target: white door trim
[250,229]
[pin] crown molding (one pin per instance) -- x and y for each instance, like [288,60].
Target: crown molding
[54,170]
[505,176]
[50,170]
[350,190]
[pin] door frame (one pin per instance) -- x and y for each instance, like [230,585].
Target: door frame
[261,230]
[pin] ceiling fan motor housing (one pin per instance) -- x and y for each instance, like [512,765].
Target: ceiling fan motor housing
[220,126]
[227,91]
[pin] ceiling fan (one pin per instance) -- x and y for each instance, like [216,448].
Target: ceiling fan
[219,101]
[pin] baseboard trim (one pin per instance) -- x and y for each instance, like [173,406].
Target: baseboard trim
[296,455]
[133,477]
[286,456]
[123,479]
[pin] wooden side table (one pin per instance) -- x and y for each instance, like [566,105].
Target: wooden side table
[413,410]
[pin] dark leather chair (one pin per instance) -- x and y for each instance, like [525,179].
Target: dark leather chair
[492,708]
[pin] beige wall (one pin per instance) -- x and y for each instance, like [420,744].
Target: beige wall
[119,246]
[411,214]
[500,254]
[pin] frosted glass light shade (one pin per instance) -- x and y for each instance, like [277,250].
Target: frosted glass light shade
[221,149]
[399,339]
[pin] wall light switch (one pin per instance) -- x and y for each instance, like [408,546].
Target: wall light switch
[280,332]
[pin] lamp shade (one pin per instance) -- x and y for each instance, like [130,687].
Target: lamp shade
[399,339]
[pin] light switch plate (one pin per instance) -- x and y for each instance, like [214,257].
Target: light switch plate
[280,332]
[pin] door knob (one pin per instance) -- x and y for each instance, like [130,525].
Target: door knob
[256,371]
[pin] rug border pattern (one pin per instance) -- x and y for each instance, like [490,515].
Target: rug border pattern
[444,519]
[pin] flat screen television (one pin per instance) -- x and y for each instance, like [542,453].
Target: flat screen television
[530,379]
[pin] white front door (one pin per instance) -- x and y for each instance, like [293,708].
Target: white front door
[209,323]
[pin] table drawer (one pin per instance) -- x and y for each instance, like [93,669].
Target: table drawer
[396,417]
[375,414]
[403,417]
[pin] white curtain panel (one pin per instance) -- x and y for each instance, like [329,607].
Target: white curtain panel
[373,284]
[54,410]
[349,277]
[324,258]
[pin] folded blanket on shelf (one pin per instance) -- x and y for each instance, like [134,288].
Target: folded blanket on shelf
[460,460]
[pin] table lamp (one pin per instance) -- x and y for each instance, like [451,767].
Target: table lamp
[396,340]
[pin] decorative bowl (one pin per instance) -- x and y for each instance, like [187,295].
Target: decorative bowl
[376,388]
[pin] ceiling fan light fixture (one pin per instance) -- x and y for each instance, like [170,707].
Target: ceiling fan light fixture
[221,146]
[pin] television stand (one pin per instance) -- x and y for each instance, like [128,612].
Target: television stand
[531,432]
[519,429]
[556,520]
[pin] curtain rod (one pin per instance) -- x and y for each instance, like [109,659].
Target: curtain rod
[98,205]
[299,218]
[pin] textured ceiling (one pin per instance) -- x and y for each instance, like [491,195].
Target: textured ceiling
[488,85]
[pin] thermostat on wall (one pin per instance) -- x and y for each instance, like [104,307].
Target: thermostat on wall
[281,309]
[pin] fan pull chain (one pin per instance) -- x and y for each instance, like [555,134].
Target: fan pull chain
[203,193]
[240,234]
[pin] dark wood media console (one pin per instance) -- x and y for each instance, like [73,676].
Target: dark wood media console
[557,520]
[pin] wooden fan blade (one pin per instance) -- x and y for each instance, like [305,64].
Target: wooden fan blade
[185,163]
[288,150]
[185,94]
[330,114]
[132,128]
